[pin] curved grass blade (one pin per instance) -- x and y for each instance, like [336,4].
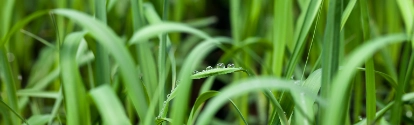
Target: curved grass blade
[77,107]
[38,119]
[335,111]
[301,34]
[155,29]
[19,25]
[12,110]
[347,12]
[190,63]
[108,39]
[201,99]
[243,87]
[216,71]
[109,106]
[408,97]
[313,83]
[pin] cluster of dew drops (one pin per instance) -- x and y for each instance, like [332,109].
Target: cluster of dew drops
[165,102]
[219,65]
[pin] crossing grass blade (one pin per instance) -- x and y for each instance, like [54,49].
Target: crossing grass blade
[369,65]
[300,35]
[335,111]
[76,104]
[108,39]
[179,109]
[109,106]
[347,12]
[246,86]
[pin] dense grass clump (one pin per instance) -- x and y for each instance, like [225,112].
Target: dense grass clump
[203,62]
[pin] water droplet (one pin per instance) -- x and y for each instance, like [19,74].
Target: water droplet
[165,102]
[203,70]
[209,68]
[195,72]
[291,77]
[220,65]
[10,57]
[409,114]
[230,65]
[360,118]
[168,95]
[20,77]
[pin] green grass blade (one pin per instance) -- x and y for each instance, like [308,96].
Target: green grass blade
[282,13]
[347,12]
[109,40]
[74,90]
[102,70]
[38,119]
[56,107]
[5,106]
[300,36]
[397,109]
[162,51]
[155,29]
[216,71]
[19,25]
[330,51]
[313,83]
[199,102]
[369,65]
[38,38]
[109,106]
[179,109]
[405,98]
[407,10]
[335,111]
[246,86]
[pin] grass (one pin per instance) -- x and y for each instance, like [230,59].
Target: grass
[202,62]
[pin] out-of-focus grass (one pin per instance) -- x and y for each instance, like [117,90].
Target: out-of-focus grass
[135,61]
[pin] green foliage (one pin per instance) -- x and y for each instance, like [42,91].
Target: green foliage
[205,62]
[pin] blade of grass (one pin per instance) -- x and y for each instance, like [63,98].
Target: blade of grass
[407,10]
[335,111]
[108,39]
[179,109]
[313,83]
[330,51]
[56,107]
[146,61]
[301,34]
[246,86]
[77,107]
[347,12]
[162,57]
[109,106]
[369,65]
[397,109]
[102,70]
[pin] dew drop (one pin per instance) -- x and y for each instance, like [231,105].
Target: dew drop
[230,65]
[168,95]
[220,65]
[195,72]
[10,57]
[209,68]
[409,114]
[360,117]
